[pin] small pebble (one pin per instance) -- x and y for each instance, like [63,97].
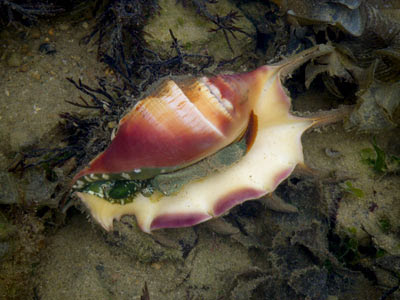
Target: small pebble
[85,25]
[24,68]
[332,153]
[47,48]
[35,33]
[35,75]
[76,58]
[64,27]
[14,60]
[108,71]
[156,266]
[112,124]
[24,49]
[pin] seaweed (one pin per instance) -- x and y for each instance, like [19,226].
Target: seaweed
[147,67]
[365,65]
[225,23]
[350,252]
[106,103]
[119,27]
[48,158]
[26,12]
[87,136]
[145,292]
[76,129]
[121,45]
[350,189]
[379,160]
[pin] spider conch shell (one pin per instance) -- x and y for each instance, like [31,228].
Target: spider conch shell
[162,145]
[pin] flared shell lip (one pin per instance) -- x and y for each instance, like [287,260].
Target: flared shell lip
[178,220]
[223,205]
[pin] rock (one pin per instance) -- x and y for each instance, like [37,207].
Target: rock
[85,25]
[310,282]
[247,282]
[36,75]
[390,262]
[385,278]
[37,188]
[24,68]
[47,48]
[32,189]
[162,245]
[35,33]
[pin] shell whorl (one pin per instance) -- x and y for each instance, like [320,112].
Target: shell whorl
[179,124]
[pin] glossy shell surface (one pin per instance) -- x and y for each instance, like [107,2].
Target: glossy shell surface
[179,124]
[273,156]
